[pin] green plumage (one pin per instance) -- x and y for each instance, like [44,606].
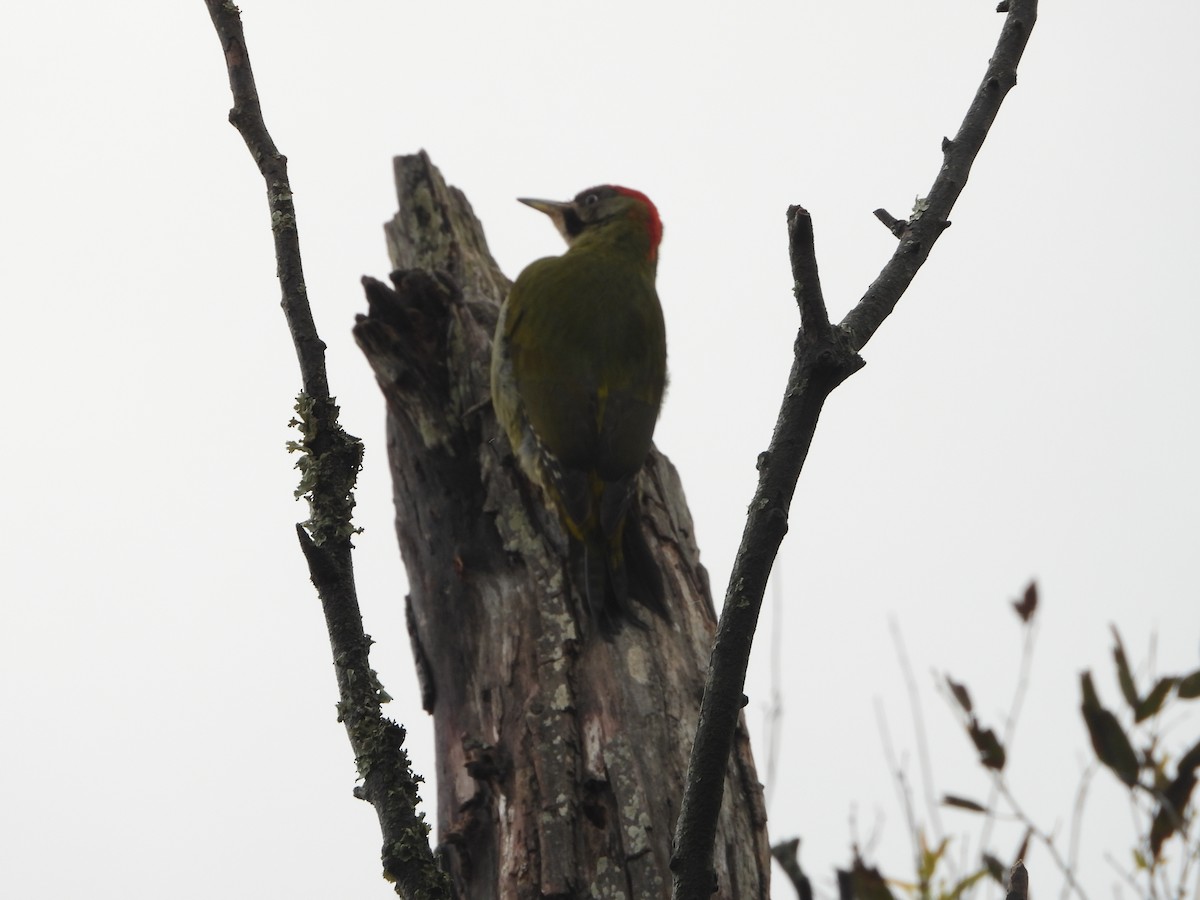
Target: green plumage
[578,374]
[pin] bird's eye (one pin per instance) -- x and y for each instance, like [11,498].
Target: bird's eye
[591,199]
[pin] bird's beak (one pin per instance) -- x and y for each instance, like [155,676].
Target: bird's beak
[557,211]
[549,207]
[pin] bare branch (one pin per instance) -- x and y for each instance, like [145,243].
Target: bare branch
[246,116]
[1032,831]
[818,367]
[813,315]
[958,155]
[329,468]
[921,733]
[823,360]
[894,225]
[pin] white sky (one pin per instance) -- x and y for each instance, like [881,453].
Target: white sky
[1029,410]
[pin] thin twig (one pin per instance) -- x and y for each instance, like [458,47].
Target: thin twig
[903,792]
[824,357]
[891,223]
[330,466]
[1010,722]
[807,283]
[1066,870]
[958,155]
[1125,876]
[822,361]
[921,733]
[246,116]
[1022,688]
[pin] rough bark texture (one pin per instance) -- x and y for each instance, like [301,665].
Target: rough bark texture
[561,756]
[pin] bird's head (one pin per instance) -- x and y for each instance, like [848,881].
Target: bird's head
[607,209]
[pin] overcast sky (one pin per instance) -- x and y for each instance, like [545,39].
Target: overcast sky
[1028,412]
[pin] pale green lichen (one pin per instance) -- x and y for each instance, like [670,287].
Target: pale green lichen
[329,463]
[637,837]
[609,881]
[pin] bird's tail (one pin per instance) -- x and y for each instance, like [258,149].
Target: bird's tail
[613,571]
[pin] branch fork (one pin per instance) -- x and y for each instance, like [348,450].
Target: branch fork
[824,357]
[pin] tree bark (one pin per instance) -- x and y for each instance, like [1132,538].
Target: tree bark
[561,755]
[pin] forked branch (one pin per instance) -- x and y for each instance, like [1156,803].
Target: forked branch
[824,358]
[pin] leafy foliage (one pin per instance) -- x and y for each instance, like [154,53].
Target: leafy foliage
[1127,741]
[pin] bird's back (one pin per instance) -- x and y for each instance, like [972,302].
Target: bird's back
[596,409]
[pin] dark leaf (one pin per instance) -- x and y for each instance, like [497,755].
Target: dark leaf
[1028,604]
[960,694]
[1108,738]
[869,884]
[787,854]
[1190,760]
[845,883]
[1169,817]
[991,751]
[1124,676]
[1189,686]
[1154,700]
[962,803]
[996,869]
[1090,697]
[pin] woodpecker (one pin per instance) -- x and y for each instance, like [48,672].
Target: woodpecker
[579,367]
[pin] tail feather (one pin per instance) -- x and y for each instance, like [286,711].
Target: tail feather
[590,573]
[644,578]
[611,576]
[611,563]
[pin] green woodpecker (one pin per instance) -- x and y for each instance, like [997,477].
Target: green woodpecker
[579,366]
